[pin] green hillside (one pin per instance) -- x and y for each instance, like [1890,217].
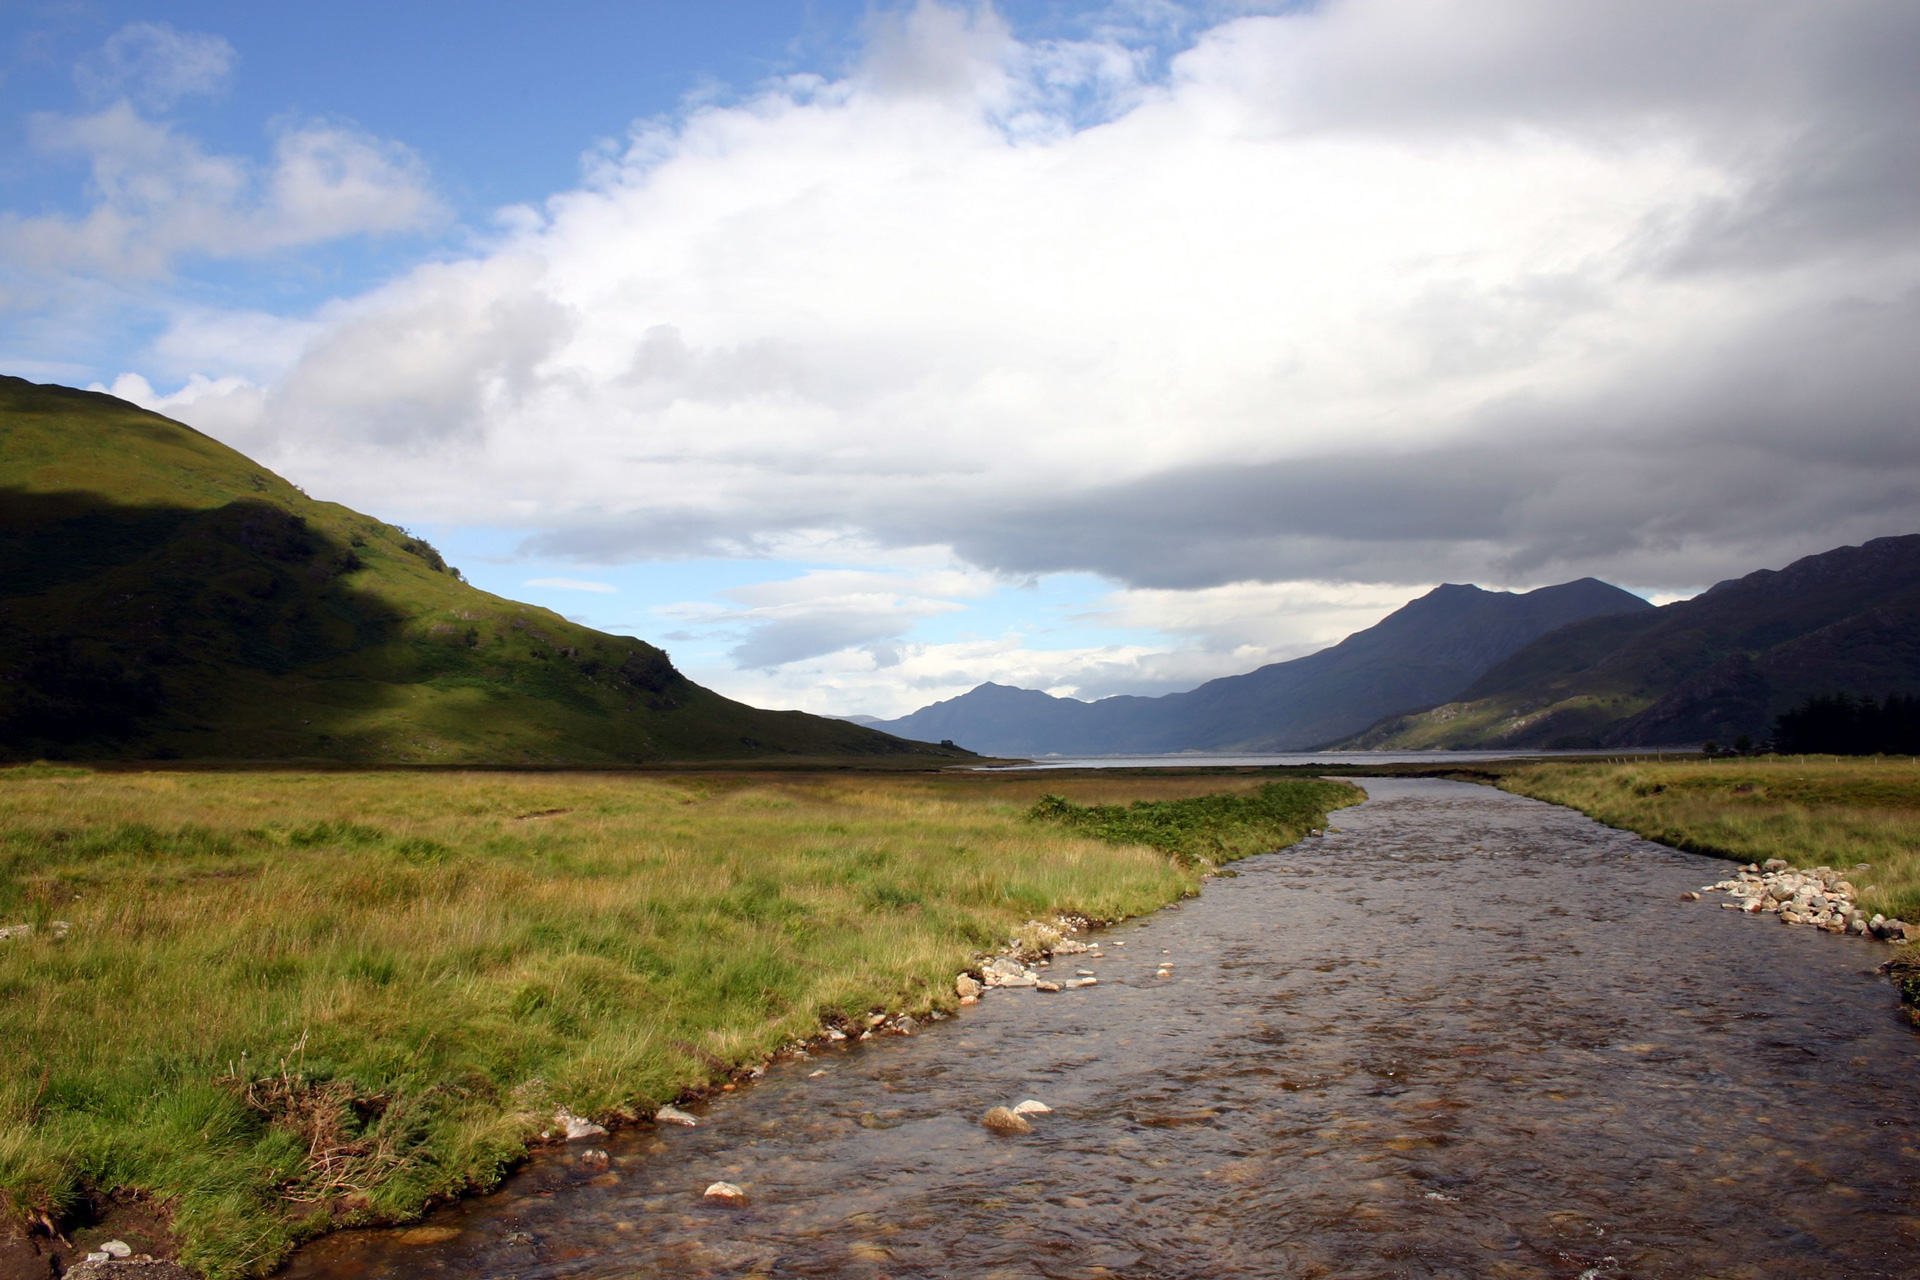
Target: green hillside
[164,597]
[1720,665]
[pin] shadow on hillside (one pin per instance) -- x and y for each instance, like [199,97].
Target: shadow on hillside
[119,620]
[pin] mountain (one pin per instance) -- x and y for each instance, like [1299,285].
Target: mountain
[1424,652]
[1722,664]
[163,596]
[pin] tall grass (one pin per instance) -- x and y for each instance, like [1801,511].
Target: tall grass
[1809,810]
[288,1001]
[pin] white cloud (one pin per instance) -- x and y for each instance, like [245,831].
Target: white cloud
[573,584]
[1276,620]
[840,640]
[1374,290]
[158,195]
[827,612]
[156,66]
[908,675]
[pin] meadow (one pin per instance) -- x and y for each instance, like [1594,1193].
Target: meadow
[287,1001]
[1809,810]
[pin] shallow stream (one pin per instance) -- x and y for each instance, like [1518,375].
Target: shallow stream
[1463,1035]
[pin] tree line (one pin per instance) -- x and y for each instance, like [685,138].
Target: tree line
[1842,725]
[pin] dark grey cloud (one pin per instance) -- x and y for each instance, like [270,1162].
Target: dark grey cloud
[1753,449]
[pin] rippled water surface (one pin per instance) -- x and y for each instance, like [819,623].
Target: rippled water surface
[1464,1035]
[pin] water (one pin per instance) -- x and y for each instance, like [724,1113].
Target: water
[1465,1035]
[1365,759]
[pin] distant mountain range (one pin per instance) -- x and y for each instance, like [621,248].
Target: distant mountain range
[162,596]
[1426,652]
[1722,664]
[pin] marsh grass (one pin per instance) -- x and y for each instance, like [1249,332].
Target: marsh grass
[289,1001]
[1809,810]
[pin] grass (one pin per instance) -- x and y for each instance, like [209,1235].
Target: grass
[1809,810]
[1203,829]
[289,1001]
[163,597]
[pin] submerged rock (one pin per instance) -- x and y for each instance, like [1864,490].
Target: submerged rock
[1005,1120]
[725,1193]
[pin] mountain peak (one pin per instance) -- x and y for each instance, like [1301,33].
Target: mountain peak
[1424,652]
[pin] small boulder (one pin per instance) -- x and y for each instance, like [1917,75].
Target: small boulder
[576,1127]
[671,1114]
[1043,985]
[725,1193]
[967,985]
[117,1249]
[1005,1120]
[1032,1107]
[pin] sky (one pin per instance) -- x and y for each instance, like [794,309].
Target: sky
[857,353]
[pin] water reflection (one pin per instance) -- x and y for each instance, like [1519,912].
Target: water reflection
[1466,1035]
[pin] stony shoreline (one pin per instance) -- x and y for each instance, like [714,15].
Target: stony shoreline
[1821,897]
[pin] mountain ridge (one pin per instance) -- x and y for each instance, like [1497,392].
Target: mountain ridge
[1427,650]
[1717,666]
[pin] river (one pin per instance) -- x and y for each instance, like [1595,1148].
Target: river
[1464,1034]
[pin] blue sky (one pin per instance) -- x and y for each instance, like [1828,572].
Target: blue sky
[861,352]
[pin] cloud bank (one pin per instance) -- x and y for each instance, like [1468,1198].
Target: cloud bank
[1381,291]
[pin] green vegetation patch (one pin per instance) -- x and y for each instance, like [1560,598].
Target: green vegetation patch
[1205,829]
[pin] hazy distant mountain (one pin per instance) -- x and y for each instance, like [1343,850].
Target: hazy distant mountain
[1425,652]
[164,596]
[1719,665]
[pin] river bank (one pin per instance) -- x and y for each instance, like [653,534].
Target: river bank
[282,1003]
[1462,1033]
[1828,842]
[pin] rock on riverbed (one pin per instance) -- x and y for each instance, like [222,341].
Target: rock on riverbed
[1821,897]
[1006,1120]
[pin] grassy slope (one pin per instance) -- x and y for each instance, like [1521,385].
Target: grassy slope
[1556,687]
[162,596]
[457,954]
[1808,810]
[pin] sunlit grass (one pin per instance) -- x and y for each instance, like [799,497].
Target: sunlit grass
[408,973]
[1809,810]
